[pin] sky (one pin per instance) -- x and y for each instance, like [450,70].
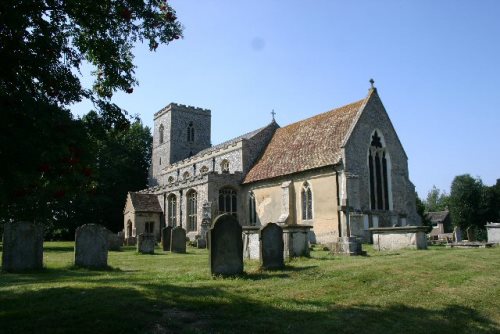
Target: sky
[436,65]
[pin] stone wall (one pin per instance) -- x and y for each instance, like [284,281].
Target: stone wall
[268,198]
[355,158]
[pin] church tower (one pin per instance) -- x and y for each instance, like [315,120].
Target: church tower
[180,131]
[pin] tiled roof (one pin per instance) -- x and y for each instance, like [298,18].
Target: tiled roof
[437,216]
[145,202]
[312,143]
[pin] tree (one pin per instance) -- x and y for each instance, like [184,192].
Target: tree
[436,200]
[43,44]
[465,201]
[421,210]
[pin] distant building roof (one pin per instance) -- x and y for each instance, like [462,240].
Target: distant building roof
[145,202]
[438,216]
[312,143]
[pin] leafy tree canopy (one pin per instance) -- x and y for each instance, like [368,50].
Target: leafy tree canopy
[48,157]
[436,200]
[465,201]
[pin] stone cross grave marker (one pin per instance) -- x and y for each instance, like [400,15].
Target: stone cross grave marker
[271,246]
[91,246]
[22,247]
[166,235]
[178,240]
[226,246]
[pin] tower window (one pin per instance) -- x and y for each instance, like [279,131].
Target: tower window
[161,130]
[306,197]
[190,132]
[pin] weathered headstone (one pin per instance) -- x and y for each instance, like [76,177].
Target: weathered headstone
[22,247]
[457,234]
[226,246]
[121,237]
[471,233]
[201,242]
[493,232]
[130,241]
[166,235]
[271,247]
[114,242]
[178,240]
[91,246]
[146,243]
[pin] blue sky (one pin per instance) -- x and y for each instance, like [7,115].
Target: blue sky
[436,65]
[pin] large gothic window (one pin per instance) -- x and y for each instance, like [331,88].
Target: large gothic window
[252,212]
[161,134]
[306,197]
[172,210]
[192,211]
[228,201]
[379,182]
[190,132]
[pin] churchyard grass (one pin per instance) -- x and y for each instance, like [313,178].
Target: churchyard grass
[433,291]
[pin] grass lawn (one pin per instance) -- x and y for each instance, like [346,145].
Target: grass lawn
[434,291]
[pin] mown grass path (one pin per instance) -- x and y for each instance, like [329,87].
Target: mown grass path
[434,291]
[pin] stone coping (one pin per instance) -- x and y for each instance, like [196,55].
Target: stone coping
[492,225]
[398,229]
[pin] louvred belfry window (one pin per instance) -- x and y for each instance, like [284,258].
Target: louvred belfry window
[379,177]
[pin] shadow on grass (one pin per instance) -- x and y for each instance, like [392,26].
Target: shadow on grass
[57,249]
[165,308]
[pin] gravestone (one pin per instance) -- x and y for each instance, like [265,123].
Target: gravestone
[91,246]
[121,237]
[178,240]
[130,241]
[146,243]
[114,241]
[226,246]
[166,234]
[457,234]
[471,234]
[271,246]
[22,247]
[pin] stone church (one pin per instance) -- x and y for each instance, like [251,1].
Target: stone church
[342,172]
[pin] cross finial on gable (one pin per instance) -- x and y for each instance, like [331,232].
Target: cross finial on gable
[273,113]
[372,82]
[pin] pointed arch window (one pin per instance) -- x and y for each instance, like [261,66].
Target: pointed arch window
[306,197]
[172,210]
[161,132]
[228,201]
[378,165]
[190,132]
[192,211]
[252,212]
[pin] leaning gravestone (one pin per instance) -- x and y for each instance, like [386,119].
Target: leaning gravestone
[22,247]
[166,234]
[178,240]
[146,243]
[226,246]
[271,246]
[91,246]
